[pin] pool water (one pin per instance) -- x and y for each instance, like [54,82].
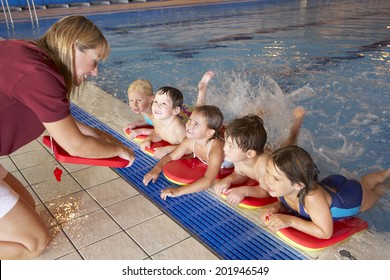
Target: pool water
[332,57]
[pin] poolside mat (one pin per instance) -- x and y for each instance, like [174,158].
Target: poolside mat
[223,230]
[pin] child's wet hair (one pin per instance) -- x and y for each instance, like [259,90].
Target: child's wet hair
[298,166]
[142,86]
[214,118]
[175,95]
[248,132]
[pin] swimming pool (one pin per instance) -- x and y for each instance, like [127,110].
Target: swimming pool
[331,57]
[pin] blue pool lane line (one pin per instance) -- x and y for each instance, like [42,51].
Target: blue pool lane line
[230,235]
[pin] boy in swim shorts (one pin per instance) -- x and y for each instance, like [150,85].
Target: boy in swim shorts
[245,140]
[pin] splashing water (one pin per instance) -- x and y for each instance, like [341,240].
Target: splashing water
[242,95]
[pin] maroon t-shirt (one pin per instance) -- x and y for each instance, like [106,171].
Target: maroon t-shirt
[31,92]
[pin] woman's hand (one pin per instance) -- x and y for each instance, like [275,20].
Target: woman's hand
[127,154]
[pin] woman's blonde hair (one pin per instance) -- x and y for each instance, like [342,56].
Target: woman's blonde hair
[66,34]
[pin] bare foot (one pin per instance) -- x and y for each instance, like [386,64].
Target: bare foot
[202,86]
[298,114]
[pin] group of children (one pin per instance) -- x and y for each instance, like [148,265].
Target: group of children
[288,173]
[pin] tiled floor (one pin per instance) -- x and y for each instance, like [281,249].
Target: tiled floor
[94,214]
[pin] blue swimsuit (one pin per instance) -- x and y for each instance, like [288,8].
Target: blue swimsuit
[148,121]
[346,197]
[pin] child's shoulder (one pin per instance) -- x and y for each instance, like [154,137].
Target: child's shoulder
[177,125]
[218,142]
[262,161]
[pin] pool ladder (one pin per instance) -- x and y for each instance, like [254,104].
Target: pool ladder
[8,18]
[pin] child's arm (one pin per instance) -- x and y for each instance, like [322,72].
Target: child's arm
[235,195]
[267,211]
[224,184]
[135,124]
[321,224]
[138,131]
[152,137]
[163,151]
[216,158]
[177,153]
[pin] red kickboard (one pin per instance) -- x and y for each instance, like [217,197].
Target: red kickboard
[138,138]
[188,170]
[342,229]
[250,202]
[155,145]
[63,156]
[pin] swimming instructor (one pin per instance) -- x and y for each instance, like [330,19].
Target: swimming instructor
[37,81]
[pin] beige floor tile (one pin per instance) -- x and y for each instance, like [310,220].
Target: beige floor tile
[188,249]
[51,189]
[59,245]
[31,158]
[94,175]
[72,206]
[34,145]
[157,234]
[40,173]
[74,256]
[90,228]
[70,167]
[112,192]
[117,247]
[133,211]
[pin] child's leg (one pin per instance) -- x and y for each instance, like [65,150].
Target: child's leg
[202,87]
[299,114]
[372,188]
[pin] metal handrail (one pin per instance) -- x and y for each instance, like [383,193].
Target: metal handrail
[32,9]
[9,13]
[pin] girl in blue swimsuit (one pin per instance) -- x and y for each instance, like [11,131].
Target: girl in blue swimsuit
[292,177]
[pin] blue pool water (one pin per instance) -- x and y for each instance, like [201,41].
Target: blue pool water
[332,57]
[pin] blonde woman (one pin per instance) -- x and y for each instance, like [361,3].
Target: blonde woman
[38,78]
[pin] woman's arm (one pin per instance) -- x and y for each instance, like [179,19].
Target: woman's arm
[84,141]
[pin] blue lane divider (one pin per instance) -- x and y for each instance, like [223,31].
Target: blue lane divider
[223,230]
